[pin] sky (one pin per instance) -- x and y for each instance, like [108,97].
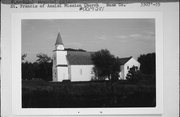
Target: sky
[122,37]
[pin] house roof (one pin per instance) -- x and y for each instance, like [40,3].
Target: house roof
[79,58]
[59,40]
[124,60]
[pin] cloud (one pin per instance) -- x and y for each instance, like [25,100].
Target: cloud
[126,38]
[102,37]
[150,33]
[135,35]
[131,36]
[141,37]
[148,36]
[121,36]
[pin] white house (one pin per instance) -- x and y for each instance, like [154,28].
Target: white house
[126,64]
[77,65]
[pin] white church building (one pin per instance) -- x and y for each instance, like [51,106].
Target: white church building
[78,66]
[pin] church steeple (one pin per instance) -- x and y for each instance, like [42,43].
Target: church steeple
[60,64]
[59,44]
[59,40]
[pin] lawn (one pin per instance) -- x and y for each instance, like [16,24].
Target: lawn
[43,94]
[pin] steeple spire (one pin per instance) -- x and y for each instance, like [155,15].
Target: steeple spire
[59,40]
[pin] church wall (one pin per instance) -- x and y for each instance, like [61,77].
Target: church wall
[81,72]
[62,74]
[61,58]
[60,66]
[132,62]
[54,70]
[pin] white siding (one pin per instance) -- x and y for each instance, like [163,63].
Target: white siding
[62,73]
[121,73]
[132,62]
[60,70]
[81,72]
[61,58]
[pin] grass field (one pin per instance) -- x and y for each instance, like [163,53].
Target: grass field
[42,94]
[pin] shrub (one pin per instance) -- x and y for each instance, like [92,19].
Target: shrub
[134,74]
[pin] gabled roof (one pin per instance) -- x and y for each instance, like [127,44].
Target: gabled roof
[79,58]
[59,40]
[124,60]
[84,58]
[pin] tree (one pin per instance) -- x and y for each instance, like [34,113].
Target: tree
[134,74]
[148,63]
[44,67]
[27,71]
[23,57]
[43,58]
[41,69]
[105,65]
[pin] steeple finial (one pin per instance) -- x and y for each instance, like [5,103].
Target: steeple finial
[59,40]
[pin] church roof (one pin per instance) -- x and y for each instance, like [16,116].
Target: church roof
[124,60]
[84,58]
[79,58]
[59,40]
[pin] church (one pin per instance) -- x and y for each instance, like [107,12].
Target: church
[78,66]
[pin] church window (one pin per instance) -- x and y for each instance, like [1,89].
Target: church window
[127,67]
